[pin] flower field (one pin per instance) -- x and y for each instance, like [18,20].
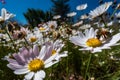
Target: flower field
[62,48]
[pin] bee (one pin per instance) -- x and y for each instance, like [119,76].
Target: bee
[103,34]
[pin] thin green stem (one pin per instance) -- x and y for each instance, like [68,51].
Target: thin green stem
[88,64]
[113,13]
[103,21]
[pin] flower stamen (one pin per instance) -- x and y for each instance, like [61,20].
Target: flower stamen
[93,42]
[36,65]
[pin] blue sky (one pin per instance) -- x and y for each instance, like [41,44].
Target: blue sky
[18,7]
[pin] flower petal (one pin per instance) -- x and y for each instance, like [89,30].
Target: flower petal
[39,75]
[21,71]
[29,76]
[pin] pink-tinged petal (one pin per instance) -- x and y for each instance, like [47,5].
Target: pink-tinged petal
[29,76]
[31,53]
[21,71]
[48,53]
[39,75]
[35,50]
[12,60]
[25,55]
[14,66]
[19,59]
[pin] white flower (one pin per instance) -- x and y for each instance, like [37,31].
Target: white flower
[84,16]
[71,14]
[81,7]
[78,23]
[56,47]
[44,28]
[85,26]
[52,24]
[31,62]
[117,15]
[56,17]
[5,15]
[89,41]
[99,10]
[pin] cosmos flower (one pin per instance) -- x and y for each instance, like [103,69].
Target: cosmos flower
[99,10]
[71,14]
[90,42]
[5,15]
[81,7]
[31,62]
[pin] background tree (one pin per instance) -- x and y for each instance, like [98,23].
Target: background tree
[60,7]
[35,17]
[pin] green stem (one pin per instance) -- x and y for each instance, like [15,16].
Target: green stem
[88,66]
[26,42]
[103,21]
[113,13]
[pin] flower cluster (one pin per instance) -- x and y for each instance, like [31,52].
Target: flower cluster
[35,51]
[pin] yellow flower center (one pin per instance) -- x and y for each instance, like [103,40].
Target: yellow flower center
[36,65]
[33,39]
[53,52]
[93,42]
[41,28]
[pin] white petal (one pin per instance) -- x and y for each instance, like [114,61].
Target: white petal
[114,40]
[42,52]
[50,59]
[39,75]
[29,76]
[3,13]
[51,63]
[21,71]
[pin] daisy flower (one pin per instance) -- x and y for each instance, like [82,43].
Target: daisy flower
[71,14]
[44,28]
[85,26]
[5,15]
[78,23]
[99,10]
[52,24]
[56,17]
[31,62]
[89,41]
[81,7]
[117,15]
[56,47]
[85,16]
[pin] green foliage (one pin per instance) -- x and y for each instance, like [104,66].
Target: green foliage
[35,17]
[60,7]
